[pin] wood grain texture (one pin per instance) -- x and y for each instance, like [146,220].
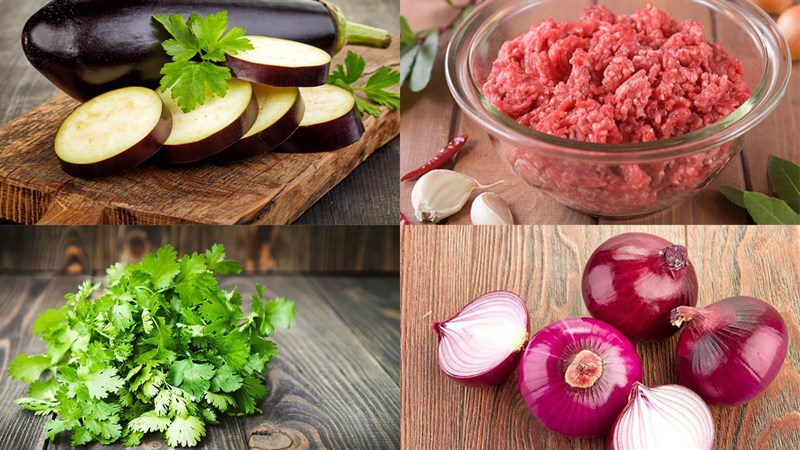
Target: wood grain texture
[274,189]
[305,249]
[431,118]
[330,387]
[544,266]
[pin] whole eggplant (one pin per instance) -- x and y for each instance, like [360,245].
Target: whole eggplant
[89,47]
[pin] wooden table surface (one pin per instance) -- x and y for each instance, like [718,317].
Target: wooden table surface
[431,118]
[368,196]
[543,265]
[334,383]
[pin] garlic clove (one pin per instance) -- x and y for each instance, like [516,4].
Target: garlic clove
[490,209]
[441,193]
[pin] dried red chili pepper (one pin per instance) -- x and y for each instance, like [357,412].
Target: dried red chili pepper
[404,220]
[441,158]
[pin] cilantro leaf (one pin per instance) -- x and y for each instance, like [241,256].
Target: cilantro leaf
[27,368]
[162,349]
[185,431]
[188,80]
[101,383]
[375,88]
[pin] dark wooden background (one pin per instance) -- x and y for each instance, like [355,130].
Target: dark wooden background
[289,249]
[333,384]
[368,196]
[431,118]
[444,268]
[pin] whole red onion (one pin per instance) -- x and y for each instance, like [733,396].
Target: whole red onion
[576,374]
[633,281]
[482,342]
[731,350]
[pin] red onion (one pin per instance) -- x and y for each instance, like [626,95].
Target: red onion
[731,350]
[633,281]
[481,344]
[575,376]
[663,418]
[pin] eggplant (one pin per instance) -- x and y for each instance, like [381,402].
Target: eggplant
[331,121]
[89,47]
[280,110]
[112,132]
[280,63]
[211,127]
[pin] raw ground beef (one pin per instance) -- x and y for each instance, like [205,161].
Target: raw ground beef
[616,79]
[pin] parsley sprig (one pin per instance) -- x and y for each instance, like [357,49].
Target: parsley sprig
[374,89]
[161,350]
[195,47]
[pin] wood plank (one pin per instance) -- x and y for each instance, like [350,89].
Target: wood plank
[328,387]
[762,262]
[377,324]
[532,206]
[544,266]
[361,198]
[21,300]
[271,189]
[430,117]
[328,250]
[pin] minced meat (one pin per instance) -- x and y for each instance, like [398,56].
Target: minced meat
[616,79]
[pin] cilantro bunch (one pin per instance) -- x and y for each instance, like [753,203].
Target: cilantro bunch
[195,48]
[374,89]
[161,350]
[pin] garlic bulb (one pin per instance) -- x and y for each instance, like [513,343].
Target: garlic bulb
[441,193]
[490,209]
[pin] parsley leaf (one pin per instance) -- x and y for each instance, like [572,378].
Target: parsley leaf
[375,88]
[160,349]
[189,81]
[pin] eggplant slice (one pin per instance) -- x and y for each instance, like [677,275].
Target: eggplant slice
[331,121]
[113,132]
[278,62]
[280,110]
[211,127]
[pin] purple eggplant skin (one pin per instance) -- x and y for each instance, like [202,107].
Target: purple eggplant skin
[326,136]
[89,47]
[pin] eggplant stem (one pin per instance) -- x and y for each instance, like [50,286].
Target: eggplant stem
[356,33]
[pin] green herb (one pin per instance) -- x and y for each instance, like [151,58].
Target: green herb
[161,350]
[200,38]
[374,90]
[418,50]
[785,210]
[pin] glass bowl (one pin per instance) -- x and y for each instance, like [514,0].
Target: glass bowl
[619,180]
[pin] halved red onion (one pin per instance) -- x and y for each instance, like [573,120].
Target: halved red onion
[576,374]
[663,418]
[633,281]
[481,344]
[731,350]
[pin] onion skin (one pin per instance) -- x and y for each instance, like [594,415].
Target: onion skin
[577,411]
[500,371]
[633,281]
[731,350]
[663,418]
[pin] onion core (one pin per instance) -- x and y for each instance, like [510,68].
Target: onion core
[633,281]
[575,376]
[481,344]
[663,418]
[731,350]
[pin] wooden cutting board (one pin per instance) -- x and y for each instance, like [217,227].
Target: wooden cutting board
[271,189]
